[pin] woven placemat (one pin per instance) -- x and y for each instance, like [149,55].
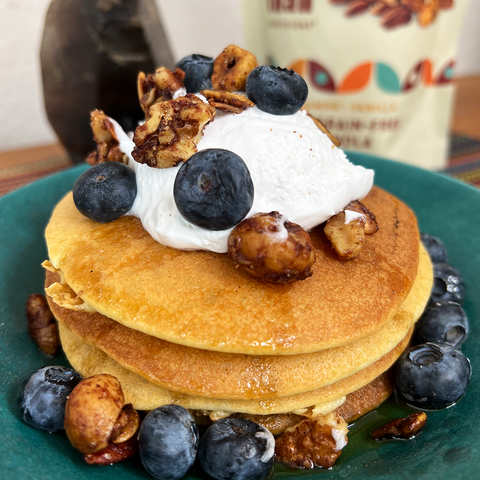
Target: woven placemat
[17,176]
[464,164]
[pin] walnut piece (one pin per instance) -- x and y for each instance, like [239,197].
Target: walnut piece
[312,443]
[94,415]
[231,69]
[172,132]
[158,87]
[227,101]
[41,324]
[108,149]
[126,425]
[371,225]
[404,428]
[346,238]
[113,453]
[346,230]
[271,248]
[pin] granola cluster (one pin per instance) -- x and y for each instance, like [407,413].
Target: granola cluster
[174,123]
[171,133]
[231,69]
[312,443]
[158,87]
[108,149]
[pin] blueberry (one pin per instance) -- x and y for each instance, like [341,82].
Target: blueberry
[435,248]
[105,192]
[276,90]
[236,449]
[43,394]
[168,442]
[442,322]
[213,189]
[198,70]
[432,376]
[448,284]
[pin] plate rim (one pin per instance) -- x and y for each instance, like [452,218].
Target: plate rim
[357,159]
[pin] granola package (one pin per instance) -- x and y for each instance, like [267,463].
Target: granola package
[379,72]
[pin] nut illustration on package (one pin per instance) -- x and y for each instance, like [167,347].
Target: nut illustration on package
[394,13]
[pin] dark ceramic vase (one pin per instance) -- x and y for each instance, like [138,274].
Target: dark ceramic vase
[90,55]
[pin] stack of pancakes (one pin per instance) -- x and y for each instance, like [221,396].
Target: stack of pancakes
[187,327]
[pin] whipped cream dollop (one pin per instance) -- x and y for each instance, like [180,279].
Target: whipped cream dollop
[294,167]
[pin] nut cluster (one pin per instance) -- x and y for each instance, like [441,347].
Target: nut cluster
[227,101]
[172,132]
[347,237]
[394,13]
[371,225]
[231,69]
[272,249]
[114,453]
[404,428]
[41,324]
[97,422]
[174,126]
[312,443]
[108,149]
[158,87]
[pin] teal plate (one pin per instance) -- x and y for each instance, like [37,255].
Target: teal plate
[447,448]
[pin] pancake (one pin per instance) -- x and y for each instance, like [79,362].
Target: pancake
[356,404]
[200,300]
[198,372]
[144,395]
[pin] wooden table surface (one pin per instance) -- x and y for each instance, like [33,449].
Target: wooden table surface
[466,114]
[466,120]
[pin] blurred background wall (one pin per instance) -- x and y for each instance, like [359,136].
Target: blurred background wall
[192,26]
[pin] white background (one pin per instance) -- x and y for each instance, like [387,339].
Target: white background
[192,26]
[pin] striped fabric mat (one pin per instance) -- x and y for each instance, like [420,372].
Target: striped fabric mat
[16,176]
[464,164]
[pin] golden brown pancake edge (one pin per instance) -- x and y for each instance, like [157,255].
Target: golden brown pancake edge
[233,376]
[144,395]
[199,299]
